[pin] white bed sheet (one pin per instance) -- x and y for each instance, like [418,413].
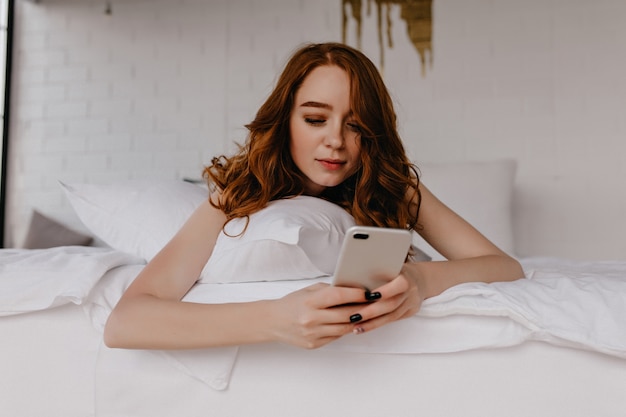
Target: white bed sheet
[56,366]
[532,379]
[472,348]
[47,363]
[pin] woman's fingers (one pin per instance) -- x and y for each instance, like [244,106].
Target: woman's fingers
[399,299]
[316,315]
[321,313]
[327,296]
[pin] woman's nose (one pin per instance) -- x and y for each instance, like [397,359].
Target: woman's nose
[335,137]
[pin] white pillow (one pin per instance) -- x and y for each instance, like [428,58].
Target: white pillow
[137,217]
[480,192]
[140,217]
[295,238]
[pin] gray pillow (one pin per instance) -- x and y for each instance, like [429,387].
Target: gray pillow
[44,232]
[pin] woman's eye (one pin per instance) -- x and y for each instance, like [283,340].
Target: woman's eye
[314,121]
[354,127]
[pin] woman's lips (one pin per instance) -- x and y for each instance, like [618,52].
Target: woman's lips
[331,164]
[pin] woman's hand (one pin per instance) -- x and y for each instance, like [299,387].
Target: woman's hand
[400,298]
[316,315]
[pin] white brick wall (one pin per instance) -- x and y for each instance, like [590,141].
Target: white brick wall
[158,87]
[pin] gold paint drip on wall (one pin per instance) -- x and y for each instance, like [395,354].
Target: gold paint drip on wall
[416,13]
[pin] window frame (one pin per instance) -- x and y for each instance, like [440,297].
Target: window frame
[6,26]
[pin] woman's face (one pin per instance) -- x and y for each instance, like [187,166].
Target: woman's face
[325,141]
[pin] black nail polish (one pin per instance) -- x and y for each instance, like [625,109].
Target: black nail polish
[355,317]
[371,296]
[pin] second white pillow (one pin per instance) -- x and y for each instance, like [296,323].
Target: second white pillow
[295,238]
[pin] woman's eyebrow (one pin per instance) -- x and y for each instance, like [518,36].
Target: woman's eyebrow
[317,105]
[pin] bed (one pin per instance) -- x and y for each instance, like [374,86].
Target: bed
[551,344]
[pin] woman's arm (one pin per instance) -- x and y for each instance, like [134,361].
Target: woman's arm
[471,257]
[151,315]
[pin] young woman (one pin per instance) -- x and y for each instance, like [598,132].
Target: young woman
[327,130]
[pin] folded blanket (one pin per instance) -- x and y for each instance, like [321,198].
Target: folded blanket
[32,280]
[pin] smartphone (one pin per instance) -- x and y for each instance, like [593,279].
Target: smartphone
[371,256]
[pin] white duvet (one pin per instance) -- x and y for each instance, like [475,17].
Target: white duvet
[574,304]
[37,279]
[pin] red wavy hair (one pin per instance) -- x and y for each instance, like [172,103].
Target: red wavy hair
[380,193]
